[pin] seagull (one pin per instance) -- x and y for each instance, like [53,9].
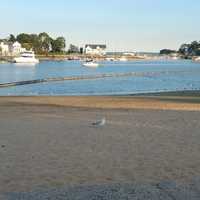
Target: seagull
[101,122]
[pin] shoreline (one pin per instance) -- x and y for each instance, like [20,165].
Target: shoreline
[83,57]
[183,100]
[75,57]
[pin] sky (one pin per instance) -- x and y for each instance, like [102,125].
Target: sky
[123,25]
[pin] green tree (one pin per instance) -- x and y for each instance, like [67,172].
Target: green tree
[45,42]
[167,51]
[27,46]
[41,43]
[189,50]
[25,40]
[12,38]
[35,43]
[73,49]
[194,45]
[184,48]
[58,45]
[81,50]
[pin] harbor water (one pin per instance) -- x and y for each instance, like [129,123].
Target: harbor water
[144,76]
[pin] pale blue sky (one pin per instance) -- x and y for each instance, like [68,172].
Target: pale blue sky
[134,25]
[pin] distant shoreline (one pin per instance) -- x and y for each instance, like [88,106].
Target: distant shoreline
[81,57]
[57,57]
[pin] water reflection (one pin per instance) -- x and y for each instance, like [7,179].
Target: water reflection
[28,65]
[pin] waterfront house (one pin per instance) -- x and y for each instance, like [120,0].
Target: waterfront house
[4,49]
[16,48]
[95,49]
[11,49]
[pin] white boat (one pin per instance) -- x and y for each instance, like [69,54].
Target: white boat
[26,57]
[123,59]
[197,59]
[174,57]
[91,64]
[110,59]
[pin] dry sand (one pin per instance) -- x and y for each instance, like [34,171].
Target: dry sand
[51,142]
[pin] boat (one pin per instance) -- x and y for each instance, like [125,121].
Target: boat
[91,64]
[110,59]
[197,58]
[26,57]
[174,57]
[123,59]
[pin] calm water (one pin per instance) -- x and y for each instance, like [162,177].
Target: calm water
[153,76]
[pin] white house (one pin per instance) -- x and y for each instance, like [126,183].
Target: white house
[4,49]
[95,49]
[16,48]
[11,49]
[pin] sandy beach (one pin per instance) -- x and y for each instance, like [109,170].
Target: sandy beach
[180,101]
[51,142]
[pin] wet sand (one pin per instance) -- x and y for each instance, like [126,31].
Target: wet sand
[189,101]
[50,142]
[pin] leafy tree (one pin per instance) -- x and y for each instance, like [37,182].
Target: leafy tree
[167,51]
[184,49]
[41,43]
[45,42]
[81,50]
[24,38]
[35,42]
[73,49]
[58,45]
[197,52]
[194,45]
[12,38]
[27,46]
[189,50]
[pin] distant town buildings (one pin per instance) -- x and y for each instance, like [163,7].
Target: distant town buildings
[11,49]
[95,49]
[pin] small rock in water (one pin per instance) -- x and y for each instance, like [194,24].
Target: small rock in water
[101,122]
[3,146]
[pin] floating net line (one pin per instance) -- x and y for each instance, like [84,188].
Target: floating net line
[86,77]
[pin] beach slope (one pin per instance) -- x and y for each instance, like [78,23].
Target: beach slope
[52,142]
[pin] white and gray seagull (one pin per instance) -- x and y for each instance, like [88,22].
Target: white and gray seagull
[101,122]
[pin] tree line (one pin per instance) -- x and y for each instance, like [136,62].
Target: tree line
[41,43]
[190,50]
[185,50]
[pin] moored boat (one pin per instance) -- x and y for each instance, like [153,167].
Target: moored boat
[26,57]
[123,59]
[91,63]
[197,58]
